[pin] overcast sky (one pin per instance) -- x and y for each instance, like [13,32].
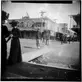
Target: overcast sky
[53,11]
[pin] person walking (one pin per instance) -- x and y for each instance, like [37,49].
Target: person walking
[4,34]
[38,37]
[15,50]
[47,37]
[42,36]
[61,38]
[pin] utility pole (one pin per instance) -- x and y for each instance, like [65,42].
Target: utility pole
[27,15]
[42,14]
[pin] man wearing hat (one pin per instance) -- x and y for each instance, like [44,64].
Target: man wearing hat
[38,37]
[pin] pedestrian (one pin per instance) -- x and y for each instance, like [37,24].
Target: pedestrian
[68,38]
[61,38]
[47,37]
[42,36]
[15,49]
[38,37]
[64,38]
[4,34]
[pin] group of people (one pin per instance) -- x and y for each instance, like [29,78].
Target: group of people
[67,38]
[44,37]
[15,49]
[63,38]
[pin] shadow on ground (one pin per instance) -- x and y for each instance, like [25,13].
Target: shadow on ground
[29,71]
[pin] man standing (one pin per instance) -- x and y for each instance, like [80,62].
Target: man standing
[62,38]
[47,37]
[38,37]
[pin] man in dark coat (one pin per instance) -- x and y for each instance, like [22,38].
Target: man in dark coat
[4,35]
[61,38]
[47,37]
[42,36]
[38,37]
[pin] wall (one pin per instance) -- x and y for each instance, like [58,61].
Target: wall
[52,26]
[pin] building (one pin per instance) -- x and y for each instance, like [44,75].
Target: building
[62,28]
[28,26]
[77,28]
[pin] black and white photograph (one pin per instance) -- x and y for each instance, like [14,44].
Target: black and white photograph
[41,40]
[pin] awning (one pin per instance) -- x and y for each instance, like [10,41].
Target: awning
[23,29]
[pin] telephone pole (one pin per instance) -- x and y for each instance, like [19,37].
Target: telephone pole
[42,14]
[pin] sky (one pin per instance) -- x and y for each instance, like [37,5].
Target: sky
[60,12]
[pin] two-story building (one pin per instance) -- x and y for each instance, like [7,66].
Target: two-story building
[28,26]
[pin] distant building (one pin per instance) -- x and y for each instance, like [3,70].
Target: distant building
[77,28]
[27,25]
[62,28]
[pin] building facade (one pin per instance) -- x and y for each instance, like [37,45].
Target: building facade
[27,25]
